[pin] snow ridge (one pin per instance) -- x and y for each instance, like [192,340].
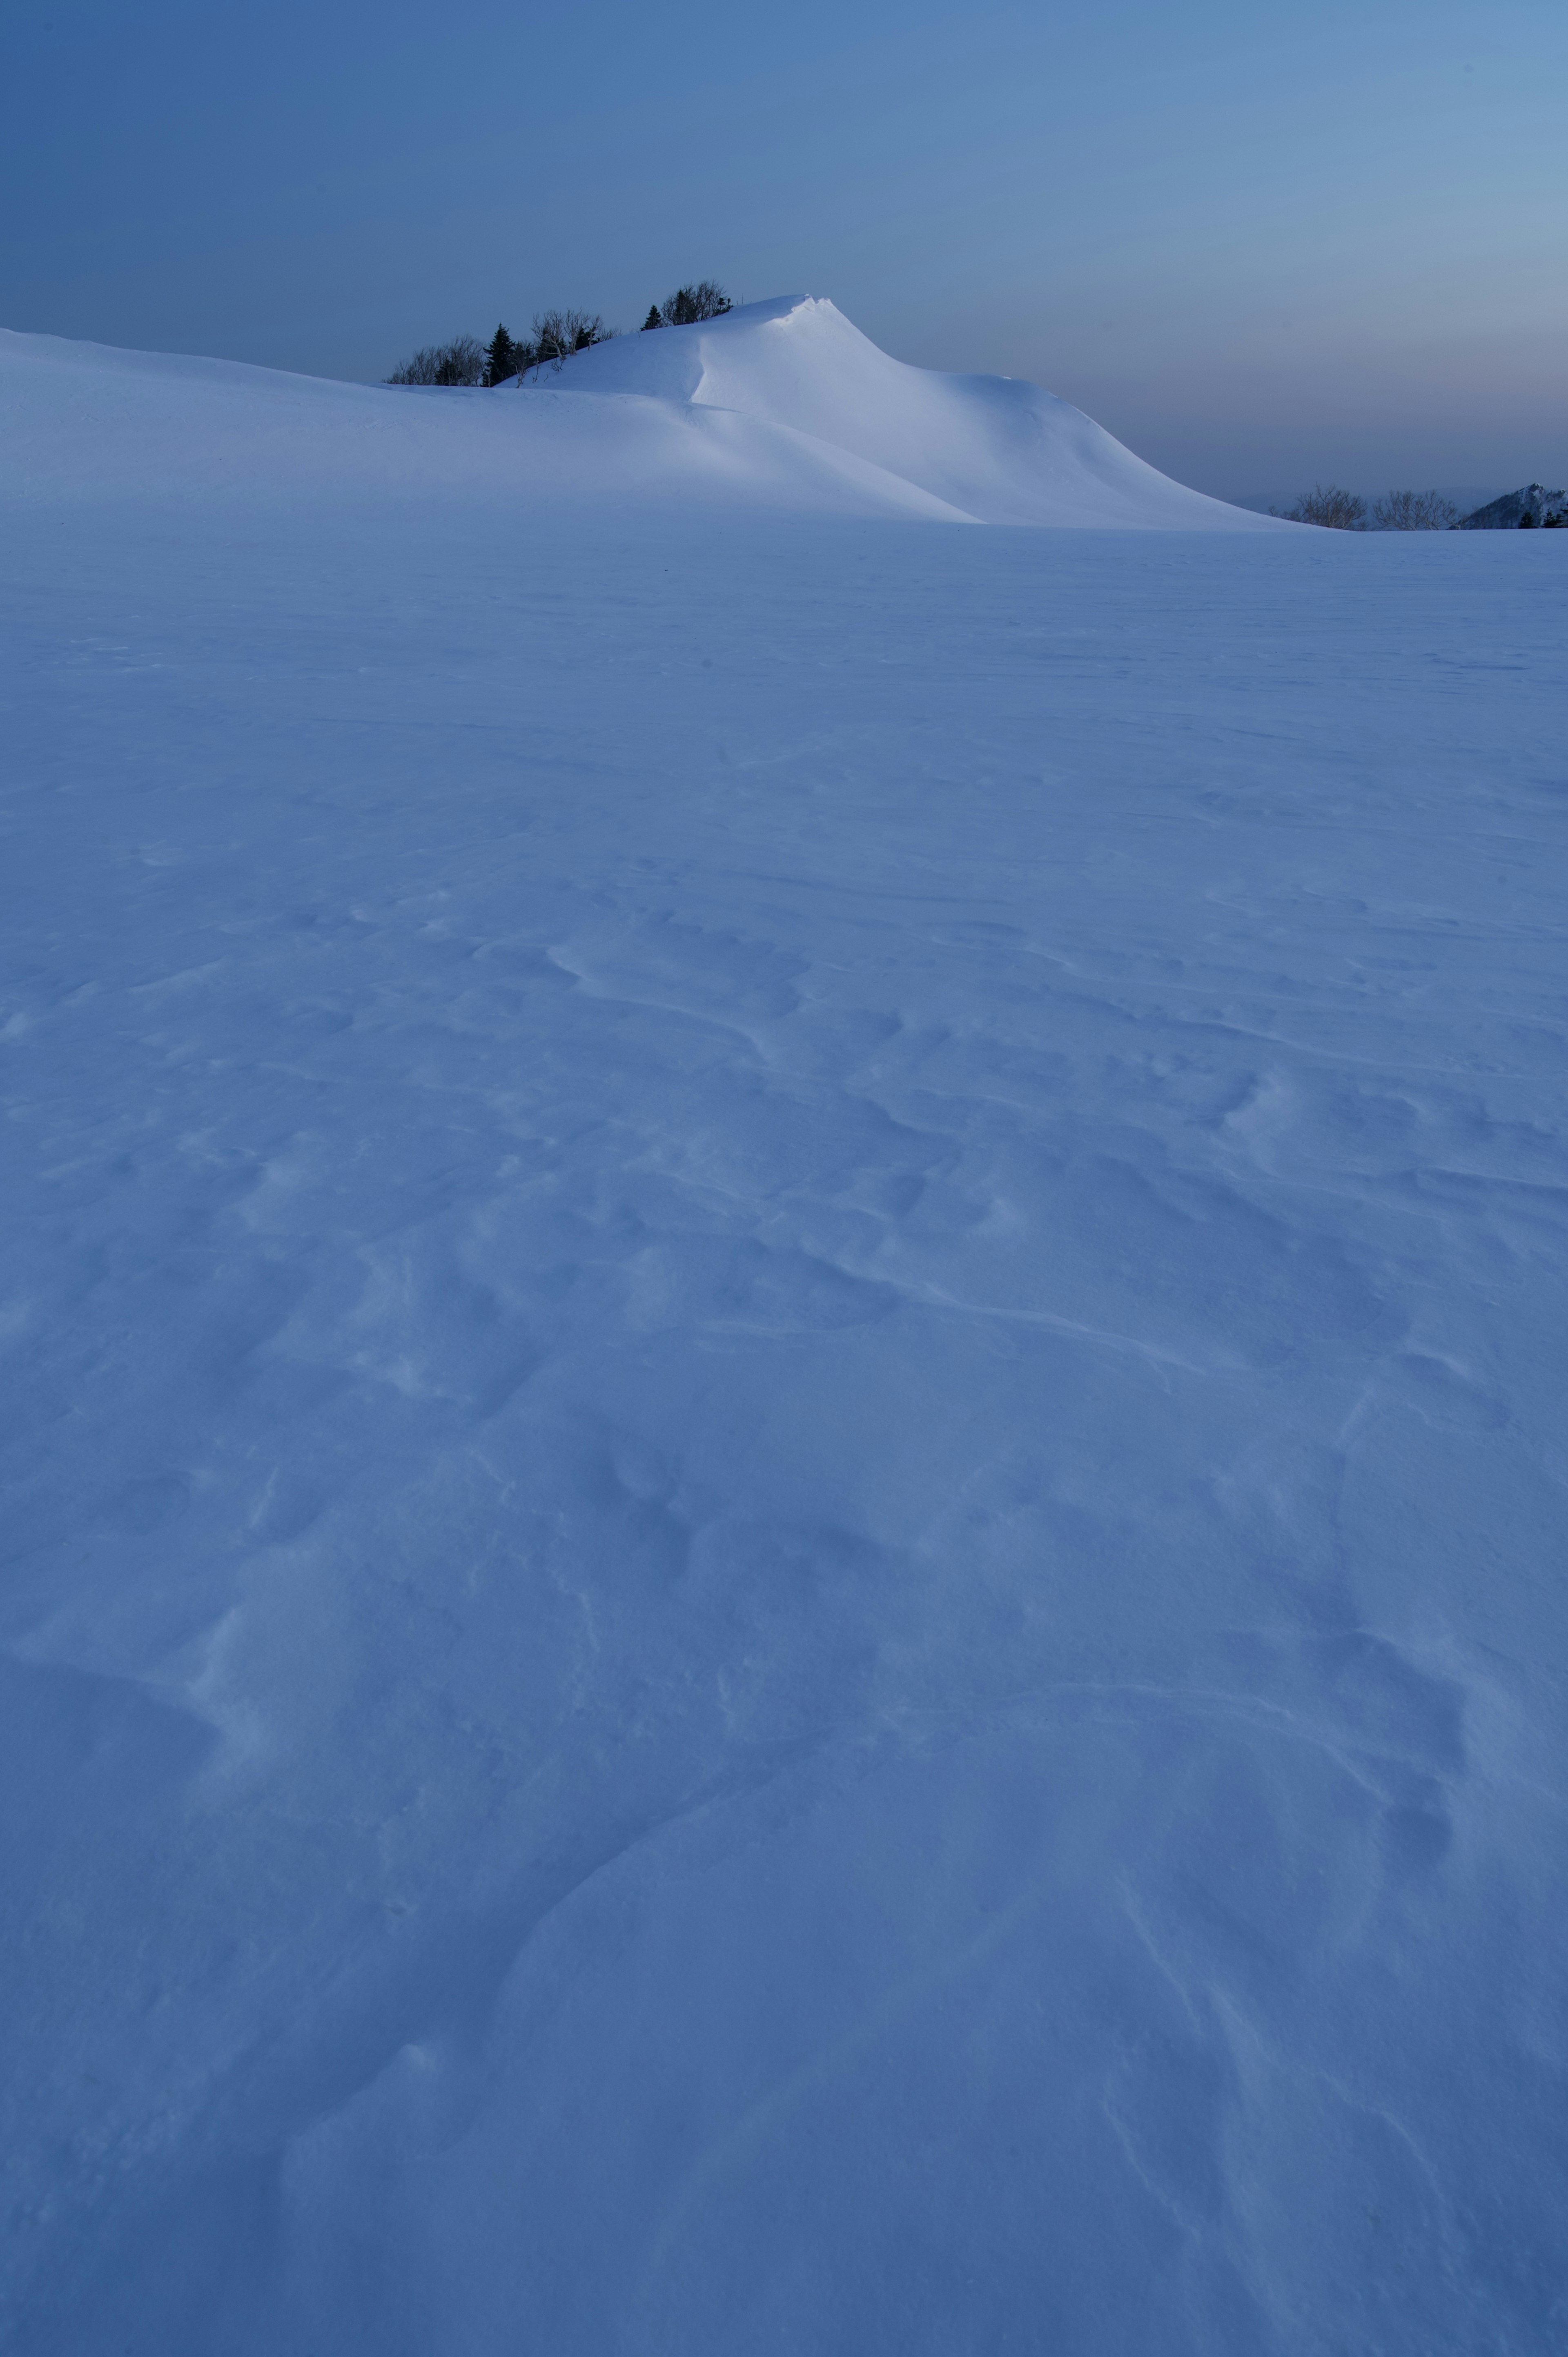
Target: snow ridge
[998,448]
[778,407]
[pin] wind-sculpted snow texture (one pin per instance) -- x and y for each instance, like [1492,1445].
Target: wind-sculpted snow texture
[784,1339]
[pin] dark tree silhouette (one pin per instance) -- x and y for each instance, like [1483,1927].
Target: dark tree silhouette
[462,361]
[503,359]
[1414,511]
[558,334]
[1326,504]
[690,304]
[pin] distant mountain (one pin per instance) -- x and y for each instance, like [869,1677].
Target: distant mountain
[1532,505]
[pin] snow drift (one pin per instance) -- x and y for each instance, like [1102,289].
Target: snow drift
[993,448]
[85,421]
[782,406]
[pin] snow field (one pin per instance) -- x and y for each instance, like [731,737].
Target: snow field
[784,1317]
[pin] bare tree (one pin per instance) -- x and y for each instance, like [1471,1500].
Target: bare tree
[688,305]
[558,334]
[1414,511]
[1326,504]
[462,361]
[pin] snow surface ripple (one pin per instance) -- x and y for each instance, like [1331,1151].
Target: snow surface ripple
[784,1322]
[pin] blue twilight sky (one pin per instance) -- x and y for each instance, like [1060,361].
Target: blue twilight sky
[1263,244]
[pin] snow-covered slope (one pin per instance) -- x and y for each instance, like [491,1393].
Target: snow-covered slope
[87,422]
[999,449]
[1507,512]
[783,1313]
[782,406]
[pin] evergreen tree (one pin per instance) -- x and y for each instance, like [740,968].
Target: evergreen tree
[654,319]
[502,357]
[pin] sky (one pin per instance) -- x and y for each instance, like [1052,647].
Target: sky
[1264,245]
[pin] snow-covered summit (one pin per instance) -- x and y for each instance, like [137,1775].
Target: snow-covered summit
[996,448]
[1532,504]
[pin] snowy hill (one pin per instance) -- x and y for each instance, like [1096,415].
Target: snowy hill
[94,423]
[783,1313]
[993,448]
[782,406]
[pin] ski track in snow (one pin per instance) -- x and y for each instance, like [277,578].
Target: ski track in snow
[784,1329]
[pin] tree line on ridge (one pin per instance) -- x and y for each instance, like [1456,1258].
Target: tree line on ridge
[556,336]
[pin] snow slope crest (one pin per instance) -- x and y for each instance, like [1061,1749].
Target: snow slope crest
[782,405]
[996,448]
